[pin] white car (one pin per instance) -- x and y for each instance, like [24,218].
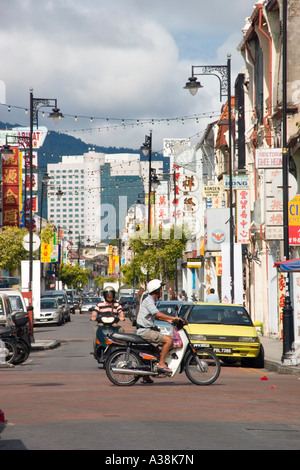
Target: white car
[17,301]
[51,311]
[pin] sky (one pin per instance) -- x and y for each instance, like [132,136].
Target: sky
[123,63]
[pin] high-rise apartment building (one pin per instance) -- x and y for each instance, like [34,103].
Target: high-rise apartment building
[96,191]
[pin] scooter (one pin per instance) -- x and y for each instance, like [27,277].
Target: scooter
[107,324]
[131,357]
[16,338]
[21,323]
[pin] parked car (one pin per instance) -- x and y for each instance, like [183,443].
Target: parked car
[89,302]
[62,296]
[169,307]
[5,310]
[16,299]
[51,311]
[228,329]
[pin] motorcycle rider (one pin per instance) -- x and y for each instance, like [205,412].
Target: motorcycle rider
[109,305]
[145,322]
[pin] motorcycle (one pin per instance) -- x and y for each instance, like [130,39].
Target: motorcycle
[16,338]
[21,323]
[131,357]
[107,324]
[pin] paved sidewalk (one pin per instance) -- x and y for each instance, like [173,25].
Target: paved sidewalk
[273,352]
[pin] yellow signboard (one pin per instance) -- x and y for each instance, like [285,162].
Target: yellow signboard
[294,211]
[45,253]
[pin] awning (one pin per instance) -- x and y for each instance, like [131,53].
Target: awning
[292,265]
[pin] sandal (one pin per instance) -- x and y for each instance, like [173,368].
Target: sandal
[164,369]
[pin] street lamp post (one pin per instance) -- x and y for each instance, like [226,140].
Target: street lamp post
[223,73]
[287,311]
[147,152]
[56,115]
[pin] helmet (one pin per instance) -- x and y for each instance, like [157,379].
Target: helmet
[109,290]
[154,285]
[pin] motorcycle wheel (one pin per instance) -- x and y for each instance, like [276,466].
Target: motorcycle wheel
[12,351]
[204,368]
[117,359]
[23,352]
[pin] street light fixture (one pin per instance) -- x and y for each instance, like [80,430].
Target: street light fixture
[223,73]
[56,115]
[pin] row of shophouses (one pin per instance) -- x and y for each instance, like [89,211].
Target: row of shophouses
[202,181]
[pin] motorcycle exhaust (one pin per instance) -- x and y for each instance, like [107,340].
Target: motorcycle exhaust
[116,370]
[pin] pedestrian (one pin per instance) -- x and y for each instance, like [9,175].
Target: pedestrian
[212,297]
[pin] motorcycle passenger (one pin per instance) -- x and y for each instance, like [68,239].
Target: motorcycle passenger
[109,305]
[145,322]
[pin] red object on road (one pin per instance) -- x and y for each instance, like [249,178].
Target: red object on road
[1,416]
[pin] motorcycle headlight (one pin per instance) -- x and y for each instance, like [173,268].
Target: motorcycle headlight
[197,337]
[107,320]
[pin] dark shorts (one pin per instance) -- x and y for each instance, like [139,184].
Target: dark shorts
[154,337]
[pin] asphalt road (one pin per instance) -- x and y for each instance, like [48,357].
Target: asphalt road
[61,399]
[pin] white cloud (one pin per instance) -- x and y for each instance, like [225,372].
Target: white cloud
[123,58]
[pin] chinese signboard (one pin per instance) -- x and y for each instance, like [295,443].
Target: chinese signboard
[274,206]
[10,188]
[45,252]
[243,216]
[294,221]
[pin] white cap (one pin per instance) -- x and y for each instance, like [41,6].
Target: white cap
[154,285]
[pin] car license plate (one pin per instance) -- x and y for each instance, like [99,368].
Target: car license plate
[201,345]
[223,350]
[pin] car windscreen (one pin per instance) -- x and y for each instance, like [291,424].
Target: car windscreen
[15,302]
[46,304]
[220,315]
[168,309]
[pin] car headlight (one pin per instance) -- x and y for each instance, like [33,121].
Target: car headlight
[197,337]
[248,339]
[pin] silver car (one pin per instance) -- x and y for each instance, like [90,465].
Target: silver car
[51,311]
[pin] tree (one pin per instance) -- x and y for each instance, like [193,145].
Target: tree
[100,280]
[47,234]
[12,251]
[156,256]
[74,277]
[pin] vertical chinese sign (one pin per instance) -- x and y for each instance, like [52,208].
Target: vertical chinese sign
[243,215]
[10,189]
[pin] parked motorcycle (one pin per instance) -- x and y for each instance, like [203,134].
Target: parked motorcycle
[21,322]
[16,338]
[8,344]
[107,324]
[131,357]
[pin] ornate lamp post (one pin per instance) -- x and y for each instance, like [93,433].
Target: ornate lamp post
[56,115]
[287,311]
[223,73]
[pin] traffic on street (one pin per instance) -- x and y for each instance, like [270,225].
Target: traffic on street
[61,399]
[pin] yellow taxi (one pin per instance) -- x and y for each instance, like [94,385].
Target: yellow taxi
[226,328]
